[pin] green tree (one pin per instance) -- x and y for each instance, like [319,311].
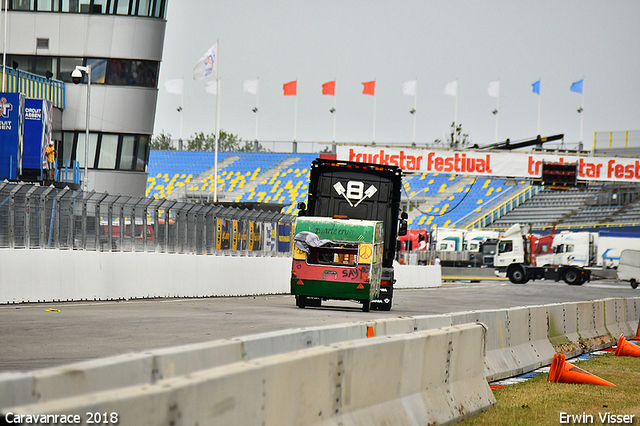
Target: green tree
[456,139]
[227,142]
[162,142]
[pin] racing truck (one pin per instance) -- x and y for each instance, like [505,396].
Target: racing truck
[350,192]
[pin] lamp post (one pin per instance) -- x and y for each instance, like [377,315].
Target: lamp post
[76,76]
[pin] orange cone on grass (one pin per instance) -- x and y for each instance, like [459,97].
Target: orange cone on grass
[625,348]
[564,372]
[637,333]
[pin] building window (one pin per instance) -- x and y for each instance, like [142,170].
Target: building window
[107,151]
[146,8]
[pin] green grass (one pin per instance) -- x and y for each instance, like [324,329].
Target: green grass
[539,402]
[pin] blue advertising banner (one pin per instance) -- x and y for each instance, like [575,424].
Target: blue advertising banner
[37,132]
[284,237]
[11,122]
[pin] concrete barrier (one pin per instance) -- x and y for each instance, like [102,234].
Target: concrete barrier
[615,317]
[563,328]
[434,376]
[593,334]
[633,314]
[61,275]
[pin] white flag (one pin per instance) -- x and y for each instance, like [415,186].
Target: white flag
[409,87]
[451,89]
[211,87]
[206,66]
[250,86]
[174,86]
[494,89]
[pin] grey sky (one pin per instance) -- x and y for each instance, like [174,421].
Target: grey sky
[517,42]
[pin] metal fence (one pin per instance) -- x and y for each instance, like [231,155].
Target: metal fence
[38,217]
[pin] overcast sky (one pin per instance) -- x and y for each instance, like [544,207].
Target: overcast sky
[514,41]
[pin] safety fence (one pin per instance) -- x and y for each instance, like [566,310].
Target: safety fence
[619,139]
[40,217]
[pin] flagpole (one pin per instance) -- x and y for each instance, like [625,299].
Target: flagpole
[257,99]
[539,102]
[374,111]
[497,109]
[415,104]
[181,108]
[4,49]
[582,112]
[295,118]
[455,115]
[334,115]
[217,136]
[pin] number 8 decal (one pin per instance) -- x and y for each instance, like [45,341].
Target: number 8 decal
[355,190]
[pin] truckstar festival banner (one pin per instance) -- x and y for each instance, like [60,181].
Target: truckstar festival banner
[503,164]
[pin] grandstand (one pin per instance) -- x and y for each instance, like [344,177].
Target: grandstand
[431,199]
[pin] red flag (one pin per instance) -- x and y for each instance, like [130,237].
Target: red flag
[290,88]
[329,88]
[369,88]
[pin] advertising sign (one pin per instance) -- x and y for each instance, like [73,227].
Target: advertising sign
[481,163]
[37,132]
[11,122]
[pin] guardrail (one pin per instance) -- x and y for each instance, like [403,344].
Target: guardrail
[436,368]
[513,202]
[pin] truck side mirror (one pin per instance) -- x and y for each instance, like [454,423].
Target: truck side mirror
[402,230]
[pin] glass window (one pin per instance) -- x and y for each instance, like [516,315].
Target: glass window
[93,143]
[67,149]
[505,246]
[48,5]
[108,152]
[126,155]
[67,65]
[21,5]
[158,9]
[25,63]
[98,70]
[143,7]
[44,64]
[84,6]
[141,162]
[122,7]
[119,72]
[102,6]
[70,6]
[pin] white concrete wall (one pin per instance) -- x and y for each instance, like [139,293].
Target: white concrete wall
[50,275]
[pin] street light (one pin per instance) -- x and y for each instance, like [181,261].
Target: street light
[76,77]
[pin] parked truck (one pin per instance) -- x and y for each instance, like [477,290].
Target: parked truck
[514,260]
[464,247]
[350,191]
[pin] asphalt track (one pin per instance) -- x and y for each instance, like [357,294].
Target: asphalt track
[47,334]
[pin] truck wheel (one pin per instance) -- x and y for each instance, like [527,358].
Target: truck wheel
[366,305]
[301,302]
[516,275]
[572,277]
[634,283]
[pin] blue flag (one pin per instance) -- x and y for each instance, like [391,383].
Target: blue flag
[536,87]
[577,86]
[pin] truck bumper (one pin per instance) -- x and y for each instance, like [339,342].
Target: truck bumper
[500,272]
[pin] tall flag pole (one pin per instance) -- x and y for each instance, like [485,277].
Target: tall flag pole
[494,91]
[451,89]
[253,87]
[176,87]
[536,89]
[410,88]
[291,89]
[329,88]
[578,87]
[4,49]
[370,89]
[206,67]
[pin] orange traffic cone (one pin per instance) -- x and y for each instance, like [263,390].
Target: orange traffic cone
[637,333]
[564,372]
[625,348]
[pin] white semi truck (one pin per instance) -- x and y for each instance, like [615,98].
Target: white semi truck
[514,260]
